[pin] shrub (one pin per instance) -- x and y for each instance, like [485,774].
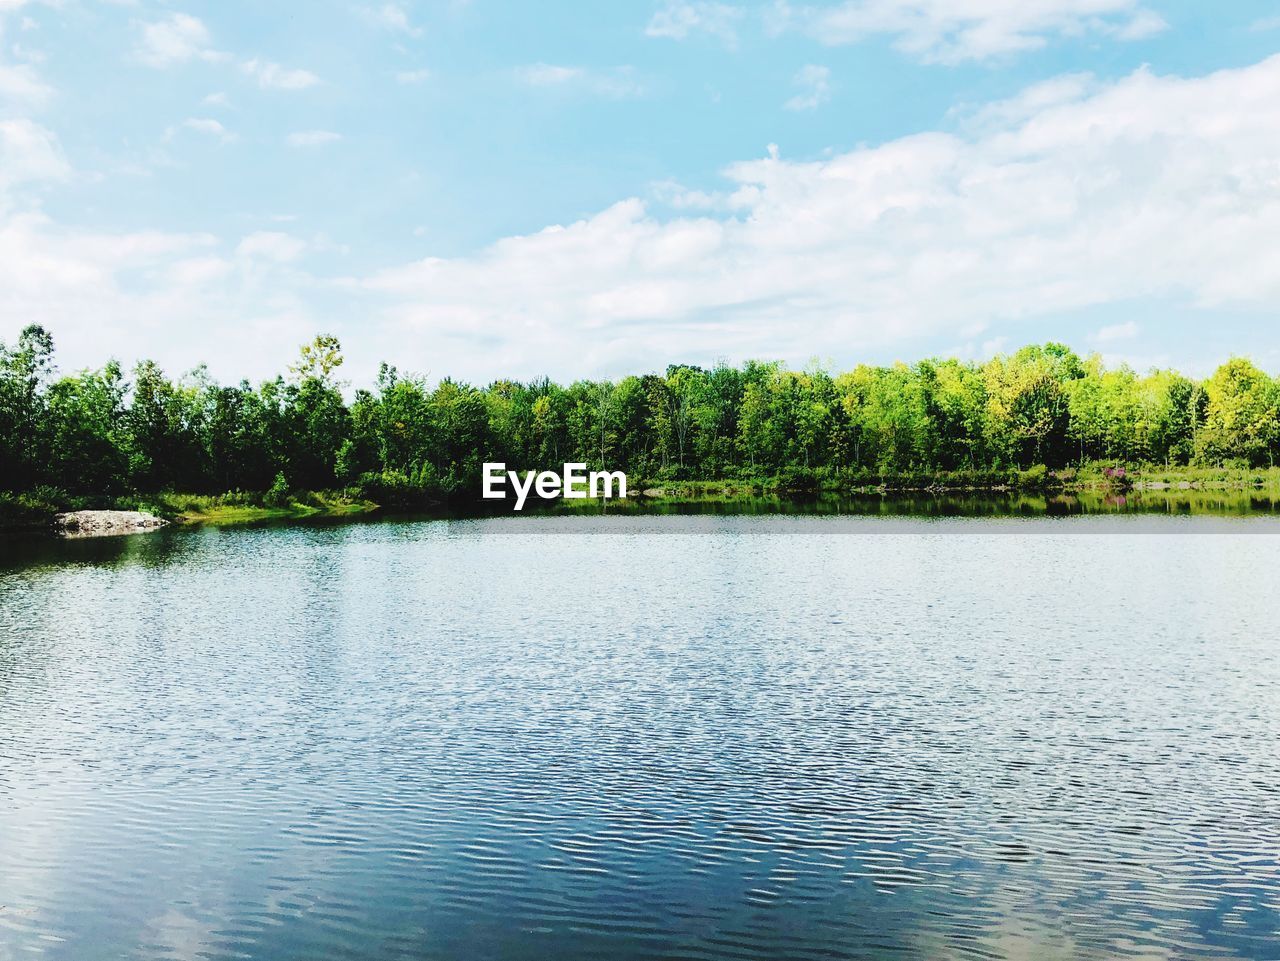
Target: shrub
[397,490]
[1033,478]
[278,495]
[798,480]
[33,509]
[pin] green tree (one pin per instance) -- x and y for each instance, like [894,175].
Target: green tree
[319,359]
[25,438]
[89,434]
[1241,417]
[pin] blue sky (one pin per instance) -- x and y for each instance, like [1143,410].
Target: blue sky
[486,188]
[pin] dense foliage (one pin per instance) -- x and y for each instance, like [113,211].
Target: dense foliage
[105,432]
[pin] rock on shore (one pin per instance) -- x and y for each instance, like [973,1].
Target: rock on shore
[105,523]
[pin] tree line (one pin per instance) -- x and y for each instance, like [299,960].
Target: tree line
[106,432]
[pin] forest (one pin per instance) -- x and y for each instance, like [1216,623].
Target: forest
[90,436]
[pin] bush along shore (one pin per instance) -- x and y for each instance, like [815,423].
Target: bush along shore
[306,444]
[45,510]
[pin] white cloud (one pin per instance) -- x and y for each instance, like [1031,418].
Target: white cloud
[272,76]
[20,86]
[1116,333]
[1149,188]
[176,39]
[549,75]
[1071,196]
[618,83]
[1029,102]
[1143,24]
[199,272]
[673,194]
[814,82]
[28,154]
[952,31]
[170,297]
[410,77]
[218,99]
[271,245]
[180,38]
[392,16]
[678,19]
[202,125]
[312,138]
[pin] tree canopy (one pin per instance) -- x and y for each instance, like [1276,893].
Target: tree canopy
[110,432]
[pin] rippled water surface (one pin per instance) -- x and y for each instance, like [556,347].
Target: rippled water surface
[637,738]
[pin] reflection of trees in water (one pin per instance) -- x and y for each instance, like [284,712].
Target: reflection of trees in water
[899,504]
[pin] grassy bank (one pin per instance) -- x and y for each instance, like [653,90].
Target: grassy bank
[242,508]
[35,510]
[1159,477]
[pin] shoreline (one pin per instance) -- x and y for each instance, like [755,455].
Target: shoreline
[241,509]
[235,515]
[207,515]
[1067,482]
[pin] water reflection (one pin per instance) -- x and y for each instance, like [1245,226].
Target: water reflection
[952,504]
[713,737]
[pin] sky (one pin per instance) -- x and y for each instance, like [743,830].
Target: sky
[486,189]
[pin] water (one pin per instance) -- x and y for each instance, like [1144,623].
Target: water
[639,738]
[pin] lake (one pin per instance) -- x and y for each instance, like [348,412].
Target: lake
[630,737]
